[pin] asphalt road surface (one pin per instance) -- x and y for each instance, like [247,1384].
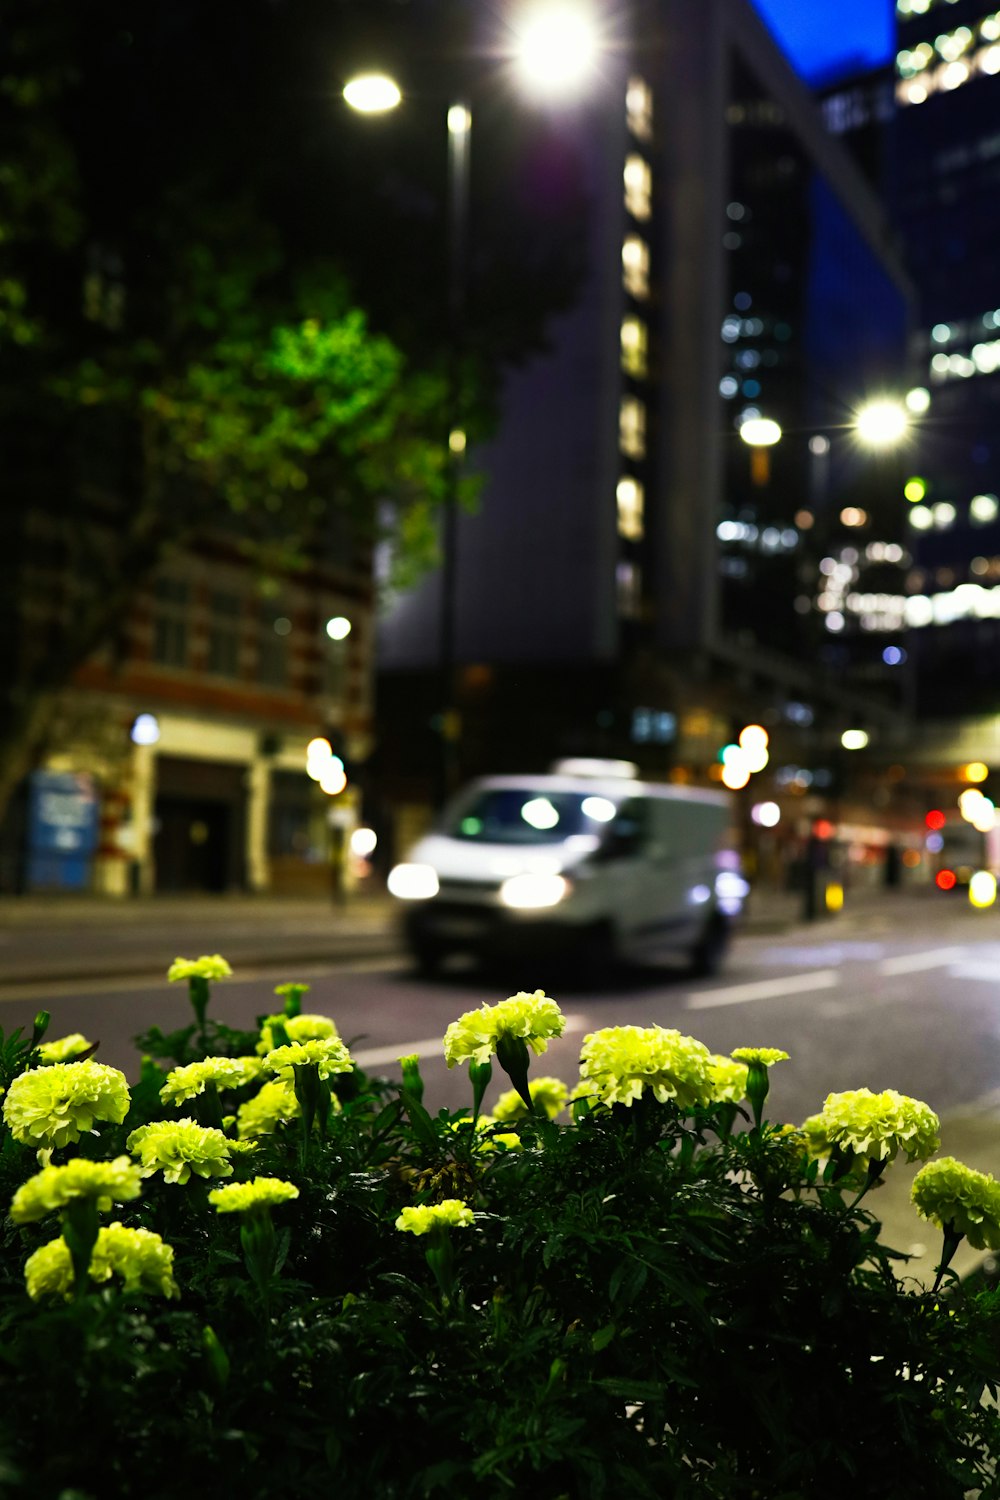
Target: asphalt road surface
[908,999]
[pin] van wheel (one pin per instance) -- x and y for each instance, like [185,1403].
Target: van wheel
[708,954]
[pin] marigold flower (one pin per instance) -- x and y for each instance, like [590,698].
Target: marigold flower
[64,1048]
[958,1198]
[621,1062]
[451,1212]
[764,1057]
[533,1019]
[224,1072]
[179,1147]
[728,1079]
[246,1197]
[873,1127]
[273,1105]
[138,1256]
[208,966]
[55,1105]
[549,1093]
[328,1054]
[53,1187]
[302,1028]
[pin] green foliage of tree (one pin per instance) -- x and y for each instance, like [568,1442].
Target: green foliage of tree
[187,214]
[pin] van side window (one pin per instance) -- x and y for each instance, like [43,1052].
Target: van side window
[628,831]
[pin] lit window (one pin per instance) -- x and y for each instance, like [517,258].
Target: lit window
[983,509]
[639,108]
[952,75]
[632,427]
[635,266]
[638,187]
[635,346]
[631,501]
[952,44]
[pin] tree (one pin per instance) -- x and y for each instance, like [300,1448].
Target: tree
[182,348]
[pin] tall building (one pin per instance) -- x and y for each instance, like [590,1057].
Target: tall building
[638,579]
[947,176]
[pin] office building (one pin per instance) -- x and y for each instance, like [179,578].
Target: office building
[638,579]
[947,171]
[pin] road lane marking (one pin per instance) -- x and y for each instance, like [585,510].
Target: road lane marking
[988,972]
[376,1057]
[766,989]
[910,963]
[14,991]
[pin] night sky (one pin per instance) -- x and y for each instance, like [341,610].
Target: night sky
[829,38]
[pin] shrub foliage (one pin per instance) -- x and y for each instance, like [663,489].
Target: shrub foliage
[668,1296]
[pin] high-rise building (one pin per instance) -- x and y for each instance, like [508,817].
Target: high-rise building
[947,176]
[638,577]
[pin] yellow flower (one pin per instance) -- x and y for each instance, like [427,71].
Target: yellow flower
[55,1105]
[764,1057]
[273,1105]
[550,1093]
[533,1019]
[208,966]
[451,1213]
[728,1080]
[138,1256]
[224,1072]
[873,1127]
[328,1054]
[179,1147]
[620,1062]
[246,1197]
[54,1187]
[303,1028]
[958,1198]
[64,1048]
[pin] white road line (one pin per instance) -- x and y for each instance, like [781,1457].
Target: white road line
[376,1057]
[766,989]
[989,973]
[912,963]
[68,988]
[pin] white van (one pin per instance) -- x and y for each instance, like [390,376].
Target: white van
[588,860]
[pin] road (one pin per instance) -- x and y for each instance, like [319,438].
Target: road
[902,994]
[908,999]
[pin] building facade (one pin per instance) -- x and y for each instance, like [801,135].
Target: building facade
[638,580]
[947,203]
[178,758]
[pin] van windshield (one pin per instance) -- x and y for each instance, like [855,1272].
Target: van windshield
[527,815]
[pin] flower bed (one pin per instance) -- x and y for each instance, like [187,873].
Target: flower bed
[263,1271]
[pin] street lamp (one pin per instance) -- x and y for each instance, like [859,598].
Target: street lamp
[881,424]
[554,47]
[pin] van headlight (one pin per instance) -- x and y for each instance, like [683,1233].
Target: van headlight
[531,892]
[413,882]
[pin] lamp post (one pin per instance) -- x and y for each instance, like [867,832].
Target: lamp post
[555,44]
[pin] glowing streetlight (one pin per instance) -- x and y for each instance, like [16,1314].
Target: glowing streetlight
[881,423]
[760,432]
[555,48]
[372,93]
[338,628]
[854,739]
